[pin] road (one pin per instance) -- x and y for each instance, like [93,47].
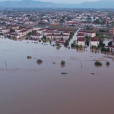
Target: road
[74,37]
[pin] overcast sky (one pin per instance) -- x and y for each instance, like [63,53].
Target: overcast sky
[60,1]
[67,1]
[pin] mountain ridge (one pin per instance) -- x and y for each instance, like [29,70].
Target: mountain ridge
[40,4]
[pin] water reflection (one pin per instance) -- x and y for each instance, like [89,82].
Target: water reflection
[62,66]
[80,49]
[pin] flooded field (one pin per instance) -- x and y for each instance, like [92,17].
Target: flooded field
[29,88]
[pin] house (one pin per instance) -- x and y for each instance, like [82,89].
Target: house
[94,41]
[54,24]
[14,35]
[71,23]
[97,25]
[66,32]
[50,32]
[18,30]
[110,47]
[88,33]
[29,22]
[57,36]
[13,27]
[36,36]
[111,31]
[79,35]
[86,24]
[49,36]
[5,30]
[65,37]
[40,31]
[81,41]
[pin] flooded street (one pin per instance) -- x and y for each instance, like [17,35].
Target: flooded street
[29,88]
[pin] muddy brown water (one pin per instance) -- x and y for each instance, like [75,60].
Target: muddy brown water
[29,88]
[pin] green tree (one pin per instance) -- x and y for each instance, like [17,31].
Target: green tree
[110,43]
[12,30]
[87,42]
[14,38]
[66,43]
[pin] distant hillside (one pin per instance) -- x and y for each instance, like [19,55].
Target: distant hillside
[39,4]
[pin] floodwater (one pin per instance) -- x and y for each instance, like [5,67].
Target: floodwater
[29,88]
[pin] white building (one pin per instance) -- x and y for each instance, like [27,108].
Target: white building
[40,31]
[57,36]
[111,48]
[94,41]
[80,35]
[81,41]
[36,36]
[29,22]
[5,30]
[88,33]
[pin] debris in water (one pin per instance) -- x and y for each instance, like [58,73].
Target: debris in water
[64,73]
[92,73]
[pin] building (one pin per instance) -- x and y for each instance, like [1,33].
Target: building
[13,27]
[5,30]
[40,31]
[80,35]
[88,33]
[29,22]
[57,36]
[94,41]
[110,47]
[36,36]
[81,41]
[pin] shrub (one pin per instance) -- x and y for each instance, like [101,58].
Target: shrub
[103,45]
[29,57]
[39,61]
[12,30]
[76,46]
[80,46]
[102,31]
[105,49]
[72,45]
[14,38]
[66,43]
[110,43]
[98,63]
[87,42]
[50,41]
[57,44]
[62,62]
[107,63]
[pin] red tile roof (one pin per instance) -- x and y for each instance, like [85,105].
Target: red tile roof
[80,34]
[94,39]
[110,46]
[81,39]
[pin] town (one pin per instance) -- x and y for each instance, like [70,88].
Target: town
[92,27]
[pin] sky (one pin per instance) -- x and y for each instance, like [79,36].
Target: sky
[67,1]
[60,1]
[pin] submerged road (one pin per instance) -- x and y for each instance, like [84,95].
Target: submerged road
[74,37]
